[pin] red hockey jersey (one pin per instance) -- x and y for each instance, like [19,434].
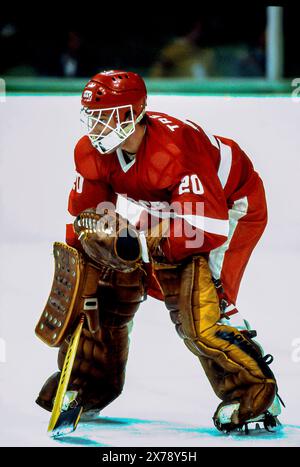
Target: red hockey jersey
[179,172]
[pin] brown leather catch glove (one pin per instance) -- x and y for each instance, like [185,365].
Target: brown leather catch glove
[109,239]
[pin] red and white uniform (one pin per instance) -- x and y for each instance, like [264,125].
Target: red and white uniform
[211,183]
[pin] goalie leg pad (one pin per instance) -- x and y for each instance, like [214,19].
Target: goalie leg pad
[98,372]
[99,369]
[231,361]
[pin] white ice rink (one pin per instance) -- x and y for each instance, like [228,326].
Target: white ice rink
[167,400]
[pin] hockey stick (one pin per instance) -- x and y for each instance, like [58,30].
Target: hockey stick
[62,422]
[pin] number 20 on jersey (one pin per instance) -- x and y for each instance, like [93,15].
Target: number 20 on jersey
[191,184]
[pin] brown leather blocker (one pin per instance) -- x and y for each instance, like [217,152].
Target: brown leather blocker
[75,281]
[98,372]
[232,362]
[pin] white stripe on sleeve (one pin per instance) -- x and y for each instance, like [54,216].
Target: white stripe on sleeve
[216,256]
[207,224]
[225,163]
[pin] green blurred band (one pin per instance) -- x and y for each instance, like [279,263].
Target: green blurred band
[231,87]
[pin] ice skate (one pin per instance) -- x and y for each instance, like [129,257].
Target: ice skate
[69,416]
[226,419]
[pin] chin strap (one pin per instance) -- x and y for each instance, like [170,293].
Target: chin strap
[139,118]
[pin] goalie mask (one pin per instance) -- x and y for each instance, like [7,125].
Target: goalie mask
[113,102]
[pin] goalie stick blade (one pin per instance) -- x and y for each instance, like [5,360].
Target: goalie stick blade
[65,377]
[66,422]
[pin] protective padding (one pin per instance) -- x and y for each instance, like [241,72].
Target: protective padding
[232,362]
[98,373]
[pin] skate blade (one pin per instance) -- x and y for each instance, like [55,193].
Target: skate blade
[257,426]
[66,422]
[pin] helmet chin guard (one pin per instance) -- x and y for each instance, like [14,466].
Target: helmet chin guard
[113,102]
[109,128]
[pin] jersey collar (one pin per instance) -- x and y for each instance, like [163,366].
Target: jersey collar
[124,165]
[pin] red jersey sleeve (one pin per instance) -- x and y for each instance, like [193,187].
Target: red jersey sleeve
[199,222]
[89,188]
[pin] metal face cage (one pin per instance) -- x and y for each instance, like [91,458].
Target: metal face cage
[109,128]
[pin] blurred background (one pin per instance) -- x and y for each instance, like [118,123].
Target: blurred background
[188,50]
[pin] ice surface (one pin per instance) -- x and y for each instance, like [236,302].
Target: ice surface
[167,400]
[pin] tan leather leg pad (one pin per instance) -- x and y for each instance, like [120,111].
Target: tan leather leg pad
[231,361]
